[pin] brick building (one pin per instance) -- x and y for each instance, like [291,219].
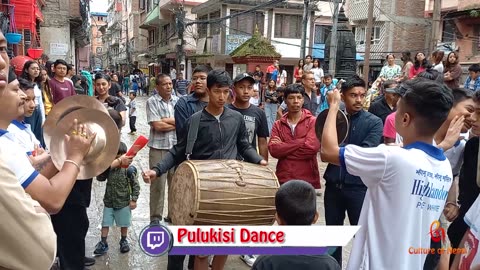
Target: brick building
[99,21]
[399,25]
[460,28]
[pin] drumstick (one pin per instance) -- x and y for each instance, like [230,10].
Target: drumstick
[141,168]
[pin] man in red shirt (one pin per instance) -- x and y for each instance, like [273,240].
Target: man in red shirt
[59,85]
[293,141]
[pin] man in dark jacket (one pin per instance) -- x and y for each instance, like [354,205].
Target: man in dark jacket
[221,135]
[345,192]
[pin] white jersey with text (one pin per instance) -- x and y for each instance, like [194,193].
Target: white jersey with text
[407,189]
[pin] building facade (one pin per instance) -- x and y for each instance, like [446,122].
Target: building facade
[98,22]
[124,38]
[398,26]
[460,28]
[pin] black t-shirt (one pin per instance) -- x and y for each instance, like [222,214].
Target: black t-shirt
[114,89]
[289,262]
[255,121]
[381,109]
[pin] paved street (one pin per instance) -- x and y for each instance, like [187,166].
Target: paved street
[136,259]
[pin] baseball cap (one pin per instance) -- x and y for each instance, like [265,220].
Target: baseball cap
[243,76]
[399,90]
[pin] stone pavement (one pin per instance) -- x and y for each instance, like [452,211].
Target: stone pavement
[136,259]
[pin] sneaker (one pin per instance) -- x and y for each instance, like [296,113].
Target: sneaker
[124,246]
[248,259]
[101,248]
[89,261]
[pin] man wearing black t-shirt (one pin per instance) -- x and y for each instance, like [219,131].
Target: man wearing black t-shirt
[255,121]
[255,118]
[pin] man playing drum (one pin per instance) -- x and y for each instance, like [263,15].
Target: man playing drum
[221,134]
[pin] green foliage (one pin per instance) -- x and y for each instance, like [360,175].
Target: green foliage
[256,46]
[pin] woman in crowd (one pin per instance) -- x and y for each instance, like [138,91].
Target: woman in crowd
[452,70]
[31,72]
[103,82]
[407,64]
[390,71]
[271,103]
[437,60]
[317,71]
[419,66]
[46,92]
[298,71]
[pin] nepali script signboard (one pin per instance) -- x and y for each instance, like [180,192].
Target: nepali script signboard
[234,41]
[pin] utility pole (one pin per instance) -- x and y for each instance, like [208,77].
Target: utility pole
[127,43]
[368,42]
[437,10]
[305,29]
[180,23]
[333,40]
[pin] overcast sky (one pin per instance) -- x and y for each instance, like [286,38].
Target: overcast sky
[98,5]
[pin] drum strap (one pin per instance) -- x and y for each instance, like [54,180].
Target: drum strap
[192,132]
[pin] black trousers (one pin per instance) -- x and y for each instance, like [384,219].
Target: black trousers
[455,232]
[133,120]
[175,262]
[71,226]
[338,200]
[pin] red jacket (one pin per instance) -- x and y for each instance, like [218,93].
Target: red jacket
[296,154]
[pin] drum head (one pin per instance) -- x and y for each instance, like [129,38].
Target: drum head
[342,125]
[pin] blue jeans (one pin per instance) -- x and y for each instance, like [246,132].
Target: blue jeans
[341,198]
[271,112]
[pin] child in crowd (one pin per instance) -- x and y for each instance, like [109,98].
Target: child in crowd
[22,133]
[473,81]
[407,187]
[132,112]
[120,199]
[296,204]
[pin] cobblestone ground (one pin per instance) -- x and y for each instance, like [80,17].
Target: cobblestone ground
[136,259]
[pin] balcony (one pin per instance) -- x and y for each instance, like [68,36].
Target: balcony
[152,19]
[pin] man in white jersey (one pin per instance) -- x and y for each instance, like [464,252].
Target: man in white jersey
[407,187]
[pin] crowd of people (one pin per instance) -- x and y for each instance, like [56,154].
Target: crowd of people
[406,172]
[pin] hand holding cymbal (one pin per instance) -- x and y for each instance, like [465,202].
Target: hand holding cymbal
[78,143]
[333,97]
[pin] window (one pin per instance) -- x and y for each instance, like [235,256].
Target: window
[361,33]
[476,42]
[203,27]
[166,34]
[152,37]
[245,24]
[142,4]
[288,26]
[321,33]
[215,27]
[448,34]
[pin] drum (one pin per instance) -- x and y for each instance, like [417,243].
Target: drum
[222,192]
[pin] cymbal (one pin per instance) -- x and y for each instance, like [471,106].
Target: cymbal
[66,106]
[104,147]
[342,125]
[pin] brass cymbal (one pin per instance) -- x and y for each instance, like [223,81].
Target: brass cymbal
[66,106]
[104,147]
[342,125]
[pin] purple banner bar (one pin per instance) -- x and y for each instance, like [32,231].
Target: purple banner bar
[248,250]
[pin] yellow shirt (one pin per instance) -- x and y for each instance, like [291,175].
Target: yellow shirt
[47,103]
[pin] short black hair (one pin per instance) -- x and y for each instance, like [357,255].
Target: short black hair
[460,95]
[202,69]
[476,96]
[60,62]
[295,88]
[296,203]
[122,149]
[116,116]
[219,78]
[328,76]
[11,74]
[159,77]
[104,76]
[430,102]
[388,84]
[474,68]
[133,93]
[350,83]
[25,84]
[431,74]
